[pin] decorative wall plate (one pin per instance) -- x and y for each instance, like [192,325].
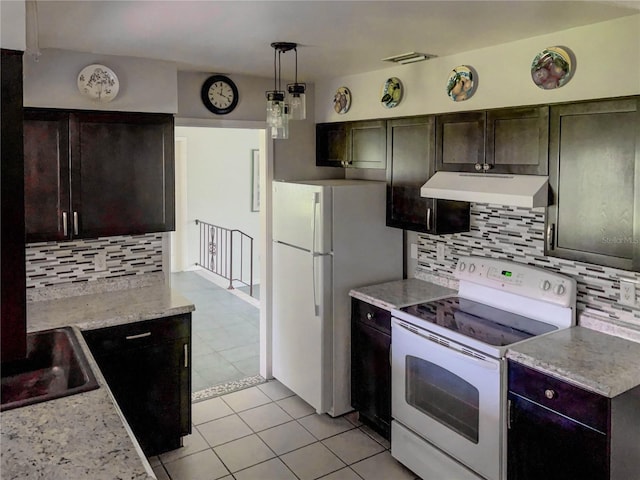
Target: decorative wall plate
[461,84]
[551,68]
[342,100]
[98,82]
[391,92]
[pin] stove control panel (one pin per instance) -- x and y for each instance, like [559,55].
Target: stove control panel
[517,278]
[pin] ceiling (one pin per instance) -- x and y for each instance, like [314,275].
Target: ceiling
[335,38]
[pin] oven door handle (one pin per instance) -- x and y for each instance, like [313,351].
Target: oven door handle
[482,362]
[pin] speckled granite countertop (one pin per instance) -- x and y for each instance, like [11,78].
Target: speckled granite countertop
[85,435]
[99,310]
[71,438]
[400,293]
[604,364]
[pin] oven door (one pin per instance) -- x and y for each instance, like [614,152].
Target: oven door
[449,395]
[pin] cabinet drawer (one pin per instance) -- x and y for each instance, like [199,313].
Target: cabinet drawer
[138,334]
[375,317]
[574,402]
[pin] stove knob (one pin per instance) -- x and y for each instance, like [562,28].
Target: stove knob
[461,266]
[545,285]
[472,268]
[559,289]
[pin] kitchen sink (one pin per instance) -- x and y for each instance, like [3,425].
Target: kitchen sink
[55,367]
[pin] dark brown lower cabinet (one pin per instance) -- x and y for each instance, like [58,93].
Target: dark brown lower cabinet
[148,368]
[370,368]
[557,430]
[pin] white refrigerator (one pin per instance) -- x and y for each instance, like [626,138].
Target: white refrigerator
[329,236]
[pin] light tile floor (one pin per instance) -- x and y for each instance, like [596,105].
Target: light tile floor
[268,433]
[225,332]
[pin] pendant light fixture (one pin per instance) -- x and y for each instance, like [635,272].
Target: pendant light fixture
[280,109]
[297,99]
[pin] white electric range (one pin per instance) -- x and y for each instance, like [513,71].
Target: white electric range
[449,369]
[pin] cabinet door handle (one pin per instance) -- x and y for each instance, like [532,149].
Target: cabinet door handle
[429,218]
[75,223]
[478,167]
[65,223]
[140,335]
[186,355]
[550,234]
[486,167]
[369,316]
[509,413]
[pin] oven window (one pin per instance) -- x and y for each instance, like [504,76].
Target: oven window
[443,396]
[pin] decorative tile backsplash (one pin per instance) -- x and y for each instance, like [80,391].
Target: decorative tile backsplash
[57,263]
[517,234]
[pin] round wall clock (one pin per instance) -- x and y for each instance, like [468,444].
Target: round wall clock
[219,94]
[391,92]
[98,82]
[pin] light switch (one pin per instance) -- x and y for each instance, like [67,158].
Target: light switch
[627,293]
[100,262]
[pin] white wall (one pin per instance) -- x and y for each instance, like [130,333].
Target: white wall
[608,65]
[251,103]
[13,25]
[294,158]
[219,183]
[145,85]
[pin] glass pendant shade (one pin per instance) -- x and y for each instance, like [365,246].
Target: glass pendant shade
[277,114]
[297,101]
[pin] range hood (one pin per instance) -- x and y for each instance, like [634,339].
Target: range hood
[502,189]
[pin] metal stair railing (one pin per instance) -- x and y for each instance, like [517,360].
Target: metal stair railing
[222,251]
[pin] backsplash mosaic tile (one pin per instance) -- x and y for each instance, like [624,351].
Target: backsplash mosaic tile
[517,234]
[57,263]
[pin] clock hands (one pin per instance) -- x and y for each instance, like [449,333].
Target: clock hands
[221,94]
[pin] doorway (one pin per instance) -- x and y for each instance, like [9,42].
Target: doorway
[218,182]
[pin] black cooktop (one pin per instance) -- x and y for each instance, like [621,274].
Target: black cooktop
[479,321]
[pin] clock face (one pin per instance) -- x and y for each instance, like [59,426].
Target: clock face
[219,94]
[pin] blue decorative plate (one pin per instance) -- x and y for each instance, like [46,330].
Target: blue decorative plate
[391,94]
[461,84]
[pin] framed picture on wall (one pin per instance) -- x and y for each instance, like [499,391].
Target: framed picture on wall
[255,180]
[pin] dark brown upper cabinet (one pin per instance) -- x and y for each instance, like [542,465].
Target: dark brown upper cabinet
[12,274]
[367,144]
[331,144]
[595,183]
[361,144]
[509,140]
[93,174]
[411,160]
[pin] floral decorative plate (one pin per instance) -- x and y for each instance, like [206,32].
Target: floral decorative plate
[342,100]
[461,84]
[98,82]
[551,68]
[391,92]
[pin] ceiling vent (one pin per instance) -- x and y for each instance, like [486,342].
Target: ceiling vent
[410,57]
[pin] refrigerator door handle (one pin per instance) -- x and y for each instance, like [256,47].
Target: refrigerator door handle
[316,305]
[316,201]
